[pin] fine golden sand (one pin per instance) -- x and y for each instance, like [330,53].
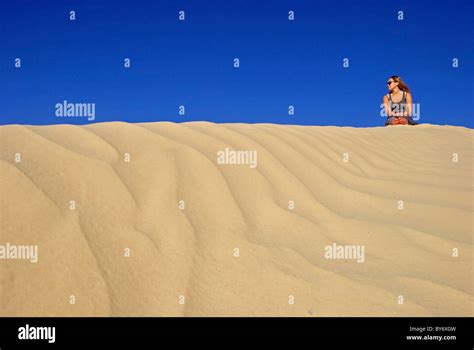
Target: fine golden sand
[142,220]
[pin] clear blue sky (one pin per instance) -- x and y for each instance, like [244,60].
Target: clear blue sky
[190,63]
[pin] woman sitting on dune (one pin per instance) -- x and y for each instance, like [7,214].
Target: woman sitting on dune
[398,103]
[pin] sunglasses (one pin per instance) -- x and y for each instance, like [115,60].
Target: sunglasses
[389,82]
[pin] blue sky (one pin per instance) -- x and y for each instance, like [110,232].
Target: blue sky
[190,62]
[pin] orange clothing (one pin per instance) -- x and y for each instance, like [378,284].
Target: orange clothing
[400,120]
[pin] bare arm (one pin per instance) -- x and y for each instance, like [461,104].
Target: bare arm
[387,106]
[409,104]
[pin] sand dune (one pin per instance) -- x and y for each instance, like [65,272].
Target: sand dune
[247,241]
